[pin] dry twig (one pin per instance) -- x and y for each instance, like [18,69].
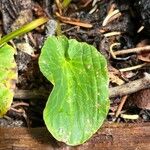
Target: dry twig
[108,17]
[132,50]
[112,34]
[111,49]
[123,100]
[86,3]
[133,67]
[59,6]
[125,89]
[20,104]
[131,117]
[140,29]
[131,87]
[93,9]
[73,21]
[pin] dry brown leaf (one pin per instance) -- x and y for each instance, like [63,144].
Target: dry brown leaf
[115,79]
[114,75]
[144,57]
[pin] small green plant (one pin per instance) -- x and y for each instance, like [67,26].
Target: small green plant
[8,67]
[79,101]
[24,29]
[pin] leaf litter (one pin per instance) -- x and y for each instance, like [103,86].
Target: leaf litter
[129,26]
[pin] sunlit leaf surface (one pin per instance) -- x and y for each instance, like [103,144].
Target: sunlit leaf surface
[8,77]
[78,103]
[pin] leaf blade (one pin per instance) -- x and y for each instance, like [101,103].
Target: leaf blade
[78,103]
[8,77]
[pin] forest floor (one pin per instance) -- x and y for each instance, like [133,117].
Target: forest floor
[120,30]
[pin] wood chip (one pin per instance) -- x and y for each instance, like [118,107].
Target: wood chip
[141,99]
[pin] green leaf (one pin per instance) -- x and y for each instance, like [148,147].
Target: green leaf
[24,29]
[78,103]
[8,77]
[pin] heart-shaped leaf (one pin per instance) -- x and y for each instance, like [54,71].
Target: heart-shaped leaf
[8,77]
[78,103]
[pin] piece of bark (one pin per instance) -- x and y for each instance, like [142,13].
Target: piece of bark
[15,13]
[140,99]
[109,137]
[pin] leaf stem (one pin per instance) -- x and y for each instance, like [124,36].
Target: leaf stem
[24,29]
